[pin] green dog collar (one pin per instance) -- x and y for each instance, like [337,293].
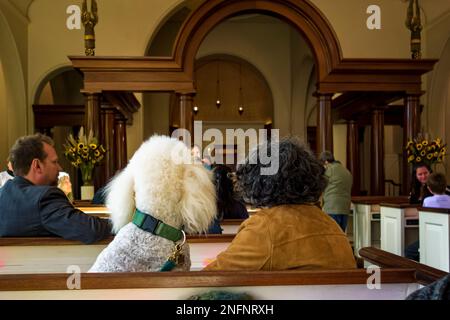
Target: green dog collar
[150,224]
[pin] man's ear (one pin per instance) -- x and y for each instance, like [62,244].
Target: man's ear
[429,189]
[36,165]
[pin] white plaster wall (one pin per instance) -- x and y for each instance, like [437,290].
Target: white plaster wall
[348,18]
[42,43]
[12,87]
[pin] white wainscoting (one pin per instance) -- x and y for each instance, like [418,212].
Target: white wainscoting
[434,239]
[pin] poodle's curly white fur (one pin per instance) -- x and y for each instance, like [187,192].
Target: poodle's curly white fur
[160,180]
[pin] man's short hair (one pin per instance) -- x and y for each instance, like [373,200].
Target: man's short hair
[327,156]
[25,150]
[437,183]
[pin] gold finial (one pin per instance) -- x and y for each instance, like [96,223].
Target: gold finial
[413,23]
[89,20]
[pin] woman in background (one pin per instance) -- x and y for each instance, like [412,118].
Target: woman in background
[419,190]
[228,206]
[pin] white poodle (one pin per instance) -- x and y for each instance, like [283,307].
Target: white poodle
[160,180]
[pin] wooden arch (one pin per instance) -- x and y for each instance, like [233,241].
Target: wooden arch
[302,15]
[367,86]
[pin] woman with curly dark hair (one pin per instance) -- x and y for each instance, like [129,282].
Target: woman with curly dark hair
[290,232]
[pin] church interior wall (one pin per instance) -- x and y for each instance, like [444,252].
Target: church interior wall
[436,115]
[38,42]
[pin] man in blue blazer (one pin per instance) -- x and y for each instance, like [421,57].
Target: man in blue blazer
[31,205]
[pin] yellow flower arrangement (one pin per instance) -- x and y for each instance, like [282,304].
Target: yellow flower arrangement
[84,153]
[421,150]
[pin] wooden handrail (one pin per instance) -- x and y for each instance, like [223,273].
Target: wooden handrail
[435,210]
[399,205]
[423,273]
[56,241]
[231,221]
[127,280]
[379,199]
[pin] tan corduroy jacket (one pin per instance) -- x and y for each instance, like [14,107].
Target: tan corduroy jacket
[287,237]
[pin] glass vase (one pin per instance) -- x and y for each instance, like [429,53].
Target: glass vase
[86,174]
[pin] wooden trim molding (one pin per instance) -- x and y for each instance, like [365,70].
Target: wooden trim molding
[423,273]
[56,241]
[399,205]
[128,280]
[379,199]
[302,15]
[435,210]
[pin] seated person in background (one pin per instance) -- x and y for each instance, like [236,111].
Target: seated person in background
[437,185]
[291,233]
[6,175]
[227,206]
[196,153]
[32,205]
[419,190]
[65,185]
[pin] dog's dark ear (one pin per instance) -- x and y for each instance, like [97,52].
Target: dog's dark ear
[120,199]
[198,203]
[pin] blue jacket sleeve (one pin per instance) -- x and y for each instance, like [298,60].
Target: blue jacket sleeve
[61,218]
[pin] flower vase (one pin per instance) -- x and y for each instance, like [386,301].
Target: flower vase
[87,192]
[87,189]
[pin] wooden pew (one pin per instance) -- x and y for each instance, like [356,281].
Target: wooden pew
[366,220]
[434,235]
[423,273]
[51,254]
[399,226]
[230,226]
[396,284]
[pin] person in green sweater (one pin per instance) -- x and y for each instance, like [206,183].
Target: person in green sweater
[337,194]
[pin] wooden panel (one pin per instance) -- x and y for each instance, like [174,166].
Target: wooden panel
[57,241]
[378,199]
[434,239]
[57,255]
[392,230]
[361,227]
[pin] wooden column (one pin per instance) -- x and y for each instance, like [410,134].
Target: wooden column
[377,153]
[92,114]
[411,127]
[186,114]
[353,155]
[120,137]
[324,124]
[108,122]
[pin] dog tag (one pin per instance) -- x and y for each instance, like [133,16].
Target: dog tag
[172,261]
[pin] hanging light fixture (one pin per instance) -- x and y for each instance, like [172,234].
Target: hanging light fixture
[241,97]
[218,102]
[195,110]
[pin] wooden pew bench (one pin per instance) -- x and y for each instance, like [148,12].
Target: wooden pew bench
[53,255]
[399,226]
[229,226]
[434,235]
[366,219]
[396,284]
[424,274]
